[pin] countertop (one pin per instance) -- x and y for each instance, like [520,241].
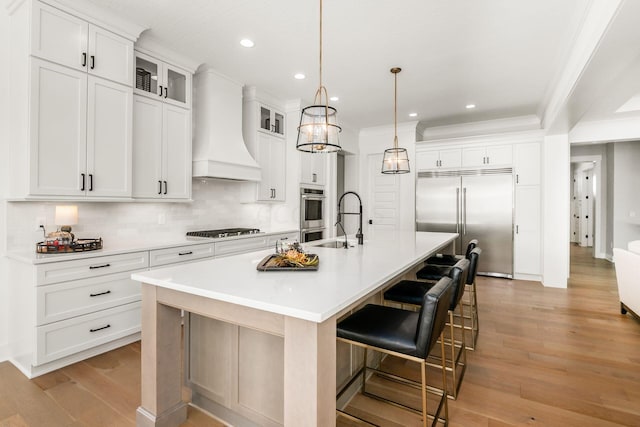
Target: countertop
[126,246]
[344,276]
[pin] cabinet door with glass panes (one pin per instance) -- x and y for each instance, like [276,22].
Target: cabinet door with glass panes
[161,80]
[271,121]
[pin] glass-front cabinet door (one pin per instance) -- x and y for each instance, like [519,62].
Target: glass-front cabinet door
[162,81]
[147,77]
[271,120]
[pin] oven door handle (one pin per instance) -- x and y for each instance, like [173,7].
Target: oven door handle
[310,197]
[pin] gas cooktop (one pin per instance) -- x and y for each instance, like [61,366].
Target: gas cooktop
[223,232]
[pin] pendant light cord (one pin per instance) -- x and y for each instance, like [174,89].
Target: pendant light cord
[395,112]
[320,43]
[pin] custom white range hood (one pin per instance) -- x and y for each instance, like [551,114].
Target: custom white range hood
[219,150]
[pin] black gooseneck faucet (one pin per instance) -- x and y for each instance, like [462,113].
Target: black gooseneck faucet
[359,235]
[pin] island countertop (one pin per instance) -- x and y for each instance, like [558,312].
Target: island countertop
[343,278]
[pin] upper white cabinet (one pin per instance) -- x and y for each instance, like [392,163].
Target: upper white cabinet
[313,168]
[163,81]
[492,155]
[437,159]
[266,144]
[71,121]
[269,152]
[271,120]
[527,164]
[83,149]
[62,38]
[161,150]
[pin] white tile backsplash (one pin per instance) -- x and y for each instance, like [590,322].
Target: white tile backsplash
[216,204]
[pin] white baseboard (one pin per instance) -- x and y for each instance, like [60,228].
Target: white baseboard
[4,352]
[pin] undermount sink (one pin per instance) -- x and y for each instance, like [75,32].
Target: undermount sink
[338,244]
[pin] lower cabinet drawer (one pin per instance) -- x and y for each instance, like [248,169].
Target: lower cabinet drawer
[241,245]
[64,338]
[180,254]
[70,299]
[85,268]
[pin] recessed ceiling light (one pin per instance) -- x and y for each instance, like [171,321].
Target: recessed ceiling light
[413,114]
[299,76]
[334,98]
[470,106]
[247,43]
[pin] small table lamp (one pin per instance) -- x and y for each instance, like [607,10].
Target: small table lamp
[66,216]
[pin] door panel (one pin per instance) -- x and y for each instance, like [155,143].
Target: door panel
[110,56]
[487,206]
[383,199]
[58,129]
[438,205]
[109,133]
[147,147]
[177,152]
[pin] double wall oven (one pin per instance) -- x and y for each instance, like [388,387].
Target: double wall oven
[312,214]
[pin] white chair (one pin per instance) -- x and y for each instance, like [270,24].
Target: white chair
[628,275]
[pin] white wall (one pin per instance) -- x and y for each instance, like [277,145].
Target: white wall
[626,202]
[611,199]
[555,210]
[4,155]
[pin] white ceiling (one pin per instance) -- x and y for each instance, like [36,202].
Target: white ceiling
[502,55]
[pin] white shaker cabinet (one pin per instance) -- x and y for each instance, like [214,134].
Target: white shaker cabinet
[263,131]
[269,152]
[492,155]
[83,148]
[439,159]
[161,80]
[161,150]
[313,168]
[62,38]
[527,227]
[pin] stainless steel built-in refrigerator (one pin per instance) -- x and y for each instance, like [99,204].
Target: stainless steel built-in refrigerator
[477,204]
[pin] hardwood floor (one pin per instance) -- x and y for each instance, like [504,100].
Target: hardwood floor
[547,357]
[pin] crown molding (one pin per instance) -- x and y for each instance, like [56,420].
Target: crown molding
[512,124]
[151,46]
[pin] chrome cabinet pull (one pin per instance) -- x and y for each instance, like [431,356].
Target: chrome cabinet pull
[517,229]
[99,329]
[464,210]
[93,267]
[517,179]
[457,210]
[100,293]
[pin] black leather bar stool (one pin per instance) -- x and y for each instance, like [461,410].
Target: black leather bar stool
[446,259]
[411,292]
[435,272]
[407,334]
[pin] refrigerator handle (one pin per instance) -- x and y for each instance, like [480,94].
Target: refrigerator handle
[457,210]
[464,211]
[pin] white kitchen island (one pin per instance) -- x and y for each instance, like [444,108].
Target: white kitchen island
[301,307]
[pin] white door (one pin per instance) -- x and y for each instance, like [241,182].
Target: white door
[176,86]
[176,153]
[147,147]
[109,132]
[527,163]
[58,129]
[382,207]
[59,37]
[451,158]
[110,56]
[475,156]
[586,215]
[427,160]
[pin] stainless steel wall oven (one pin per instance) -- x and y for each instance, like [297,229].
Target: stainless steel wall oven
[312,216]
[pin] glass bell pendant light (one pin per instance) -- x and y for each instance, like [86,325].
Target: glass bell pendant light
[395,160]
[318,130]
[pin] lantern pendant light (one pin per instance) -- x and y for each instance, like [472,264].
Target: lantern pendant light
[395,160]
[318,130]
